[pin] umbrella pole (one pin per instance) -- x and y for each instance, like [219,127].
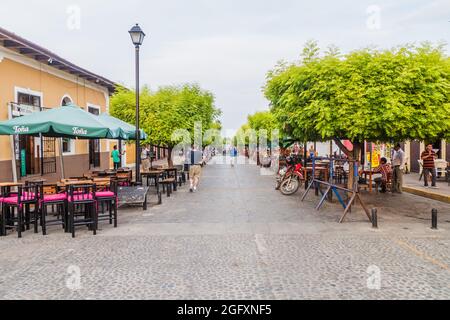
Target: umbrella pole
[61,158]
[120,151]
[14,164]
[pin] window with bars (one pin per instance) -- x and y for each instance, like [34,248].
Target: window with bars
[28,99]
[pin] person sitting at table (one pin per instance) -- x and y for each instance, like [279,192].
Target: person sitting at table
[385,169]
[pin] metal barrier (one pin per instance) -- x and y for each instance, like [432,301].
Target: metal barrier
[333,188]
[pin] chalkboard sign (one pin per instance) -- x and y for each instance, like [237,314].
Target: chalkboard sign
[133,196]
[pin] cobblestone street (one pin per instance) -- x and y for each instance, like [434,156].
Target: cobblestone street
[238,238]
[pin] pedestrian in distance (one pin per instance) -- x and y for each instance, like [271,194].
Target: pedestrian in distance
[233,155]
[429,167]
[145,159]
[398,163]
[195,169]
[117,157]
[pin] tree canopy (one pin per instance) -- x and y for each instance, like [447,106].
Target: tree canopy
[167,110]
[380,96]
[261,120]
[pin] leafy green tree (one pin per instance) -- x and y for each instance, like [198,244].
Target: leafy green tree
[262,124]
[380,96]
[166,111]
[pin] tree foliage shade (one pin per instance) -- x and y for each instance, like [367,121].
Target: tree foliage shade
[391,95]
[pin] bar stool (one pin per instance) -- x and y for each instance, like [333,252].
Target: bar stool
[2,216]
[60,201]
[108,195]
[27,196]
[82,196]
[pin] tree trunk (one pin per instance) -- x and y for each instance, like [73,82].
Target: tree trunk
[356,155]
[258,162]
[352,155]
[169,158]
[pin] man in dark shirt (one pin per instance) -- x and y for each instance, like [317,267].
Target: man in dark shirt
[428,157]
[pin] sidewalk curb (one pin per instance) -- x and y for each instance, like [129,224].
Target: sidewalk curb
[427,194]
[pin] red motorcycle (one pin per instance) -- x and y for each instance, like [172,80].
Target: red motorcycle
[290,178]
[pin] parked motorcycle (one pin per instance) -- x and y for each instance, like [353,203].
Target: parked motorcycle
[290,178]
[280,177]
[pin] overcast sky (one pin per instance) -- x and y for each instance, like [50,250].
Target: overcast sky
[226,46]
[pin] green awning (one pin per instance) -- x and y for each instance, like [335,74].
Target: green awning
[69,121]
[121,129]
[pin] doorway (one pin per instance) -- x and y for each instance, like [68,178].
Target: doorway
[27,151]
[448,152]
[415,156]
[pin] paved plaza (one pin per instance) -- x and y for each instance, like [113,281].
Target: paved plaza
[238,238]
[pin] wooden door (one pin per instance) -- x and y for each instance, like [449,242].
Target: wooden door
[415,156]
[447,157]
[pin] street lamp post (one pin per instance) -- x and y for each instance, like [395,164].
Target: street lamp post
[137,37]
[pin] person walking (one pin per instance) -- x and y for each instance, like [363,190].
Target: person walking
[145,158]
[233,154]
[429,167]
[312,152]
[398,162]
[116,157]
[195,169]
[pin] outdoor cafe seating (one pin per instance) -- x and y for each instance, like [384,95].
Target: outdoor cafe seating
[78,202]
[27,197]
[167,178]
[82,196]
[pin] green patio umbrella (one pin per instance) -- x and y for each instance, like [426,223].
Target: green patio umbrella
[287,141]
[120,129]
[63,122]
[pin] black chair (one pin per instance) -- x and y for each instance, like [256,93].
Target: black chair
[60,201]
[108,195]
[27,196]
[181,175]
[169,183]
[82,197]
[155,179]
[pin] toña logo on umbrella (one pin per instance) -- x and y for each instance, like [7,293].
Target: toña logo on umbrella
[21,129]
[79,131]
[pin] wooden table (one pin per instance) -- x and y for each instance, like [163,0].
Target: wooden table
[39,180]
[11,184]
[155,174]
[6,186]
[102,181]
[74,183]
[308,170]
[369,173]
[169,170]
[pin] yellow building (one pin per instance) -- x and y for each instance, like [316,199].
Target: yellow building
[32,79]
